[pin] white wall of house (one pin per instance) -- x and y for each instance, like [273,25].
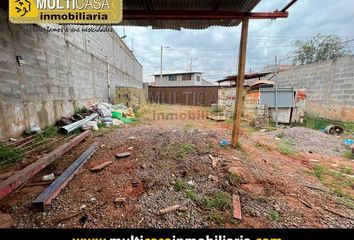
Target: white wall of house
[194,79]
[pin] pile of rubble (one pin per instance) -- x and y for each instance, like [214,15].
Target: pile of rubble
[102,114]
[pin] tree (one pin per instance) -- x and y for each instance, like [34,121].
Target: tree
[319,48]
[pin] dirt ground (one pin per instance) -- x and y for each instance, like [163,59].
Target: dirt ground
[171,163]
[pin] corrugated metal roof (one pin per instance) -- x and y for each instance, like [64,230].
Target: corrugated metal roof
[187,5]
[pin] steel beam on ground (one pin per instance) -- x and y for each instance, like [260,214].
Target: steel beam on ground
[55,187]
[22,176]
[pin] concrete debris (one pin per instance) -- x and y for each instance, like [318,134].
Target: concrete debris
[214,161]
[48,177]
[123,154]
[33,130]
[191,183]
[213,178]
[101,166]
[103,110]
[120,200]
[91,125]
[83,206]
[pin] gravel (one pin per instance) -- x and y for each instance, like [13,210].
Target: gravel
[309,140]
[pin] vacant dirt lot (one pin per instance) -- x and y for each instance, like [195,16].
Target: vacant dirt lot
[173,148]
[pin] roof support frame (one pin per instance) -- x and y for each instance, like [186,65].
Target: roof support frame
[198,15]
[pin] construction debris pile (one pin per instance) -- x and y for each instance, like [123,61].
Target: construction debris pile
[102,114]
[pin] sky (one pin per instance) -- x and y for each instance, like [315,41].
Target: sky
[214,51]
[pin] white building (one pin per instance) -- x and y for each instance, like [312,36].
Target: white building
[180,79]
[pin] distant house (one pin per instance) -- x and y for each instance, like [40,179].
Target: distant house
[180,79]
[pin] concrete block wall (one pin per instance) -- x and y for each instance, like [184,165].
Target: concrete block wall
[329,86]
[63,71]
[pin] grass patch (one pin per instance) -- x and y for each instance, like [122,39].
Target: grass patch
[347,202]
[179,185]
[320,123]
[286,148]
[138,113]
[14,208]
[229,121]
[205,149]
[274,215]
[180,151]
[192,195]
[9,155]
[234,178]
[219,200]
[348,154]
[339,192]
[347,170]
[216,217]
[280,135]
[319,172]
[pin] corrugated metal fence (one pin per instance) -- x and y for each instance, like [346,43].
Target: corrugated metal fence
[192,95]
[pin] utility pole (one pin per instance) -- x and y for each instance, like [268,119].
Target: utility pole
[239,83]
[162,47]
[161,64]
[276,90]
[191,64]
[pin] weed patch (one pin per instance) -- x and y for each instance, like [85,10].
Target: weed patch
[192,195]
[274,215]
[179,151]
[348,154]
[216,217]
[286,148]
[179,185]
[9,155]
[234,178]
[320,123]
[319,172]
[219,200]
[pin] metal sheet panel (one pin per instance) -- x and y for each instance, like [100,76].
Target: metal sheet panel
[285,97]
[187,5]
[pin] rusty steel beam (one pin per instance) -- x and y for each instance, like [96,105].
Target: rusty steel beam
[189,15]
[22,176]
[55,187]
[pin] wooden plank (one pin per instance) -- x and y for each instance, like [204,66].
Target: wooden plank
[21,141]
[16,180]
[217,118]
[54,189]
[101,166]
[239,83]
[236,206]
[169,209]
